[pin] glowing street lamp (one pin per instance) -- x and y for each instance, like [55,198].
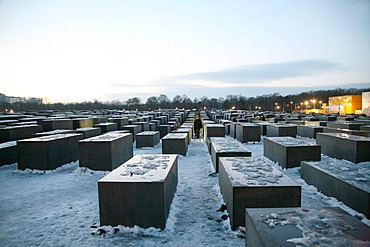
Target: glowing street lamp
[314,102]
[306,104]
[291,106]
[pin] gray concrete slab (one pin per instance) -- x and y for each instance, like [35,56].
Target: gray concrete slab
[289,151]
[105,152]
[343,146]
[304,227]
[248,182]
[139,192]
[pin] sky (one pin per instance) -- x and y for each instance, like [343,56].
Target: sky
[82,50]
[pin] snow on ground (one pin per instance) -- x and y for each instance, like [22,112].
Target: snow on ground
[60,207]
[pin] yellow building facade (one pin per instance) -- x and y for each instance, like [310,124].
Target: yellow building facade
[345,104]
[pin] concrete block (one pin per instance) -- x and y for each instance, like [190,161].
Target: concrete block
[263,127]
[247,182]
[247,132]
[120,121]
[188,131]
[281,130]
[345,125]
[348,183]
[47,152]
[139,192]
[54,124]
[175,143]
[144,125]
[303,227]
[82,123]
[225,147]
[13,133]
[105,152]
[289,151]
[106,127]
[163,130]
[343,146]
[147,139]
[213,130]
[53,132]
[347,131]
[8,153]
[309,131]
[134,129]
[88,132]
[233,129]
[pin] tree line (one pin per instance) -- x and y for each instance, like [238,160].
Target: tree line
[266,102]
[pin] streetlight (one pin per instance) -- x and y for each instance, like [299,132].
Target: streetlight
[306,103]
[314,102]
[291,106]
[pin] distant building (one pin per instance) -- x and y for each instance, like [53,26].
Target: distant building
[345,104]
[366,103]
[12,99]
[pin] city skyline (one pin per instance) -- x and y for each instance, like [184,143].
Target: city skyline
[73,51]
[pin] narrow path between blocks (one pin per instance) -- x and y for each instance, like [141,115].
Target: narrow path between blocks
[196,202]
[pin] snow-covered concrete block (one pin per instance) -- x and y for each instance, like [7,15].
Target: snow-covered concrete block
[106,127]
[248,132]
[347,182]
[225,147]
[47,152]
[273,130]
[54,132]
[343,146]
[304,227]
[289,151]
[8,153]
[163,129]
[134,129]
[247,182]
[139,192]
[88,132]
[147,139]
[345,125]
[188,131]
[13,133]
[214,130]
[175,143]
[309,131]
[105,152]
[347,131]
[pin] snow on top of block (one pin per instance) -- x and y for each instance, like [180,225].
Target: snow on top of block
[175,136]
[291,141]
[223,144]
[357,174]
[254,172]
[8,144]
[106,137]
[325,227]
[50,137]
[347,136]
[147,133]
[142,168]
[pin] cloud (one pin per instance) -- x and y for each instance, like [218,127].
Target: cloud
[254,75]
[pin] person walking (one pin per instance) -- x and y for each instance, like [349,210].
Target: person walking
[197,125]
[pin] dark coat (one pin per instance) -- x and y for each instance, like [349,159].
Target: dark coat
[198,124]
